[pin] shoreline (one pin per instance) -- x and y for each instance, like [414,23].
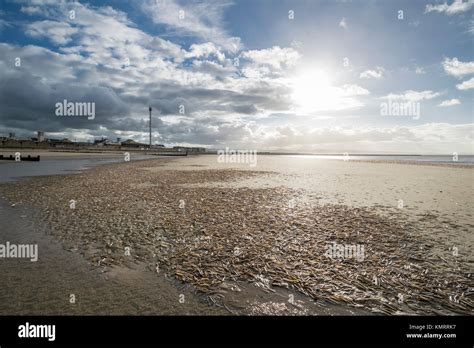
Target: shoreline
[86,154]
[137,204]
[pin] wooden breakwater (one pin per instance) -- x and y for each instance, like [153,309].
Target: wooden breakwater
[20,158]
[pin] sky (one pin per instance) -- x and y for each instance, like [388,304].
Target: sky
[267,75]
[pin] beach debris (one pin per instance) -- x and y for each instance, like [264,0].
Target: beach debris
[251,235]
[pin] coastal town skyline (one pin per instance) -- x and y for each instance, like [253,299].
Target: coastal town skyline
[304,77]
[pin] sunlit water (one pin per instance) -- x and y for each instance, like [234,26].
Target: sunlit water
[12,171]
[469,160]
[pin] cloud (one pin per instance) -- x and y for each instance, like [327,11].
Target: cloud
[343,23]
[457,6]
[276,57]
[31,10]
[200,19]
[205,50]
[4,24]
[431,138]
[353,90]
[377,73]
[420,71]
[449,102]
[455,67]
[102,36]
[59,33]
[92,70]
[468,84]
[102,56]
[269,62]
[412,96]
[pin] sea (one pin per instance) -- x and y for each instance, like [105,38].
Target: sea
[446,159]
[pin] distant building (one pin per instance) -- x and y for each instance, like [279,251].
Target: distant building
[133,144]
[60,142]
[101,142]
[40,137]
[42,142]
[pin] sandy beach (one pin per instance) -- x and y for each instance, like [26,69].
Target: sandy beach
[256,240]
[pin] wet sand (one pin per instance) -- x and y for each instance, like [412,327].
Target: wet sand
[45,287]
[55,162]
[249,240]
[53,154]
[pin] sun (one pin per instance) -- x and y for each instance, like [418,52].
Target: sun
[313,91]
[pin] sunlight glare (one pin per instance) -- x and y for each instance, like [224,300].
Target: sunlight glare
[312,91]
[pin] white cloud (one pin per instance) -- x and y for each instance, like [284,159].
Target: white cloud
[200,19]
[413,96]
[103,36]
[276,56]
[31,10]
[269,62]
[449,102]
[420,71]
[353,90]
[219,105]
[455,67]
[430,138]
[4,24]
[457,6]
[468,84]
[205,50]
[343,23]
[58,32]
[377,73]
